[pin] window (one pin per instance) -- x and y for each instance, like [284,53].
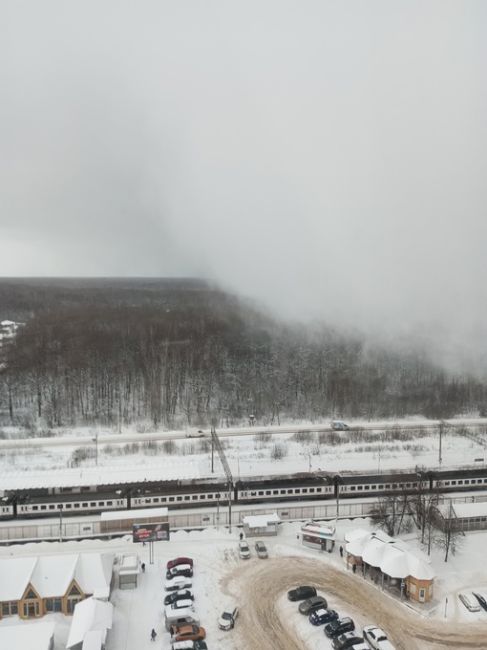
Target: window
[367,487]
[43,507]
[30,594]
[352,488]
[171,499]
[93,504]
[261,493]
[35,507]
[289,491]
[305,490]
[76,505]
[311,489]
[267,492]
[51,507]
[421,594]
[275,491]
[68,505]
[186,498]
[179,498]
[74,591]
[194,497]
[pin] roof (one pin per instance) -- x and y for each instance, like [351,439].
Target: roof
[325,532]
[261,521]
[392,556]
[51,575]
[89,615]
[143,513]
[467,510]
[31,636]
[93,640]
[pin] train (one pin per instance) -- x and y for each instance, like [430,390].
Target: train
[180,494]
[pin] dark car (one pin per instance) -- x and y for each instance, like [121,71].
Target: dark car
[346,641]
[183,594]
[301,593]
[185,570]
[200,645]
[481,600]
[322,616]
[316,602]
[179,560]
[339,626]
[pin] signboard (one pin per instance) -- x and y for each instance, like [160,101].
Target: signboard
[150,532]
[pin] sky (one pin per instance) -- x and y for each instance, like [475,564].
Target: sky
[327,158]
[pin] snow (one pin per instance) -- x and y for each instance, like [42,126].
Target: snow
[467,510]
[32,636]
[89,615]
[93,640]
[15,575]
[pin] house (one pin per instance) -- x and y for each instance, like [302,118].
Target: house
[389,560]
[34,636]
[34,586]
[91,621]
[318,536]
[461,516]
[258,525]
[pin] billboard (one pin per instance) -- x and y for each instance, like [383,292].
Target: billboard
[150,532]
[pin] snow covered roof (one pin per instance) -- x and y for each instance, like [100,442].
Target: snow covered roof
[89,615]
[318,529]
[51,575]
[467,510]
[32,636]
[93,640]
[390,555]
[134,514]
[261,521]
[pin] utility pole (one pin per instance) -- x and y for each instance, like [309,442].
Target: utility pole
[226,468]
[95,440]
[442,426]
[60,522]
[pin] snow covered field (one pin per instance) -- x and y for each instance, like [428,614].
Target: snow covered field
[257,455]
[221,576]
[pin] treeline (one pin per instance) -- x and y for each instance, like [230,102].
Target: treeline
[182,357]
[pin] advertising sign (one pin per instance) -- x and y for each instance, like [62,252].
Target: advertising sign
[150,532]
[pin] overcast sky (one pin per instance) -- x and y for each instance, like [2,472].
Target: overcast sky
[327,158]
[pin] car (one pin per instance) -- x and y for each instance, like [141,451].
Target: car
[301,593]
[183,594]
[243,550]
[228,618]
[315,602]
[189,645]
[322,616]
[195,434]
[182,604]
[261,550]
[348,640]
[339,425]
[179,560]
[481,600]
[177,583]
[376,638]
[469,603]
[200,645]
[180,570]
[339,626]
[187,632]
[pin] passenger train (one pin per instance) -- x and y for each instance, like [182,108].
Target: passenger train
[45,502]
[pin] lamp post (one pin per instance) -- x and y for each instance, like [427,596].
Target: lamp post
[95,440]
[60,522]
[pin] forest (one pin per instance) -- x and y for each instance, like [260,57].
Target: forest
[176,353]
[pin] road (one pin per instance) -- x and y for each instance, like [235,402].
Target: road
[258,585]
[160,436]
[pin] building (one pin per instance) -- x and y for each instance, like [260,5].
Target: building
[461,516]
[34,586]
[389,561]
[128,572]
[34,636]
[91,621]
[261,525]
[318,536]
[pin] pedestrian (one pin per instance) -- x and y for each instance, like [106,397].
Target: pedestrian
[354,568]
[241,536]
[153,635]
[142,566]
[341,551]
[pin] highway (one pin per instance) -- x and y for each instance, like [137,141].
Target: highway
[104,438]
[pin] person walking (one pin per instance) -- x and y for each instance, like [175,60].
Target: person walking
[142,566]
[153,635]
[341,551]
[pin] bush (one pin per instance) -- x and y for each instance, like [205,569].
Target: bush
[279,451]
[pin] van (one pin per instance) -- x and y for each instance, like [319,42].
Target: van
[339,425]
[180,617]
[469,603]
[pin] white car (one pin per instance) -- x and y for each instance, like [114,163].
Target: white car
[243,550]
[228,618]
[376,638]
[182,604]
[469,603]
[178,582]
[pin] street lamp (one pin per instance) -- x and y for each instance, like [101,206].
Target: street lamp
[95,440]
[60,522]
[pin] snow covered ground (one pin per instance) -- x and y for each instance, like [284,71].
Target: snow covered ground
[220,576]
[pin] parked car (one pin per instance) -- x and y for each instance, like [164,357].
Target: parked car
[339,626]
[261,550]
[200,645]
[182,604]
[470,604]
[322,616]
[187,632]
[243,550]
[348,640]
[481,600]
[228,618]
[376,638]
[179,560]
[180,570]
[301,593]
[315,602]
[177,583]
[183,594]
[189,645]
[176,618]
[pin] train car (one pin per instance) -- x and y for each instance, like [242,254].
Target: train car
[458,480]
[360,485]
[280,488]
